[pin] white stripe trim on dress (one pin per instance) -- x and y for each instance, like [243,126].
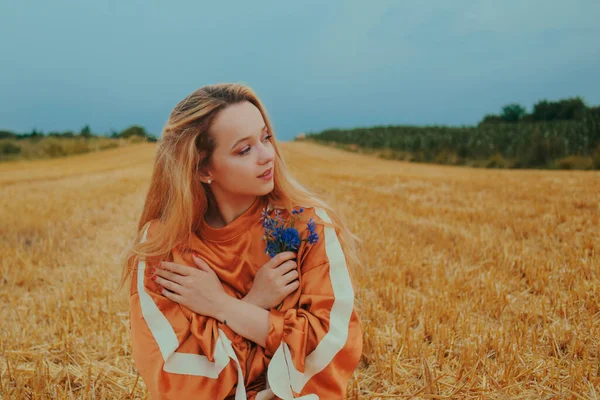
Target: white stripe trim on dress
[184,363]
[282,373]
[199,365]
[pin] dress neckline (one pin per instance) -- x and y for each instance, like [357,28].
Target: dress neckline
[238,226]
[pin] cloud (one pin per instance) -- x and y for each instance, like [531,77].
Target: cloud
[315,64]
[515,17]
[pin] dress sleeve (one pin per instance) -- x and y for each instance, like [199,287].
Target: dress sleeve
[177,352]
[316,346]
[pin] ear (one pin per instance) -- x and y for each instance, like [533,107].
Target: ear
[203,175]
[204,179]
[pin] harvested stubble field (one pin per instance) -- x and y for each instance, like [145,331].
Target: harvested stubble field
[475,283]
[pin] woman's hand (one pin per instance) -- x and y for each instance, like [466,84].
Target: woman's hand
[274,281]
[200,290]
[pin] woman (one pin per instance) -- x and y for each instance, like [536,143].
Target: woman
[212,315]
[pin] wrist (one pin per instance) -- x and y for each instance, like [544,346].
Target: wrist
[248,298]
[226,304]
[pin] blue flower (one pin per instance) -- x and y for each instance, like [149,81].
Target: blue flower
[291,238]
[277,216]
[284,237]
[271,249]
[313,236]
[264,215]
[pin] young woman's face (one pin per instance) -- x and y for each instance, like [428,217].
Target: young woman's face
[243,152]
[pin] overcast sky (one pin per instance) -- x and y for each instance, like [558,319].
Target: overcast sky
[314,64]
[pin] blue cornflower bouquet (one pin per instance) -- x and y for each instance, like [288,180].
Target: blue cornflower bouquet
[281,235]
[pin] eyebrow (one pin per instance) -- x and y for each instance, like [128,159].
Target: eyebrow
[246,138]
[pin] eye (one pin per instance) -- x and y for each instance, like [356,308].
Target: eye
[247,149]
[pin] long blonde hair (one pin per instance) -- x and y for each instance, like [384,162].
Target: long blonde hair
[179,201]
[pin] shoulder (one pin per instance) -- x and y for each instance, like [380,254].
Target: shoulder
[311,223]
[302,212]
[151,229]
[313,214]
[308,220]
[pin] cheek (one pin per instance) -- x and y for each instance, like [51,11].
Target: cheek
[236,172]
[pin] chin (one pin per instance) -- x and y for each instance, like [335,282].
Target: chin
[266,191]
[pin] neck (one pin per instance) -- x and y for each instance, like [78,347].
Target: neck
[224,209]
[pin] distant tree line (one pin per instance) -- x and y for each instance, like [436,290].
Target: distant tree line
[570,109]
[85,132]
[562,134]
[35,144]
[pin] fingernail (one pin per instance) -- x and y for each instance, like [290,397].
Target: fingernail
[153,277]
[152,270]
[195,254]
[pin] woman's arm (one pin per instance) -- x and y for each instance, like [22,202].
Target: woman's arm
[246,319]
[176,351]
[314,346]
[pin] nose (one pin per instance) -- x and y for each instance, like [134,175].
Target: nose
[267,154]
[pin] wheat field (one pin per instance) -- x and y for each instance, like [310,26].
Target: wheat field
[475,283]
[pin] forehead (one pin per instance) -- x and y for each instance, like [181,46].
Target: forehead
[235,122]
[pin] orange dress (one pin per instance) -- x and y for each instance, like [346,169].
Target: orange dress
[314,342]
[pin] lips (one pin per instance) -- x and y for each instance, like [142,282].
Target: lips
[265,173]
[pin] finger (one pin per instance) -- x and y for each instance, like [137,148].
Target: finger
[201,263]
[287,266]
[170,295]
[281,257]
[293,285]
[290,276]
[177,268]
[172,286]
[172,276]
